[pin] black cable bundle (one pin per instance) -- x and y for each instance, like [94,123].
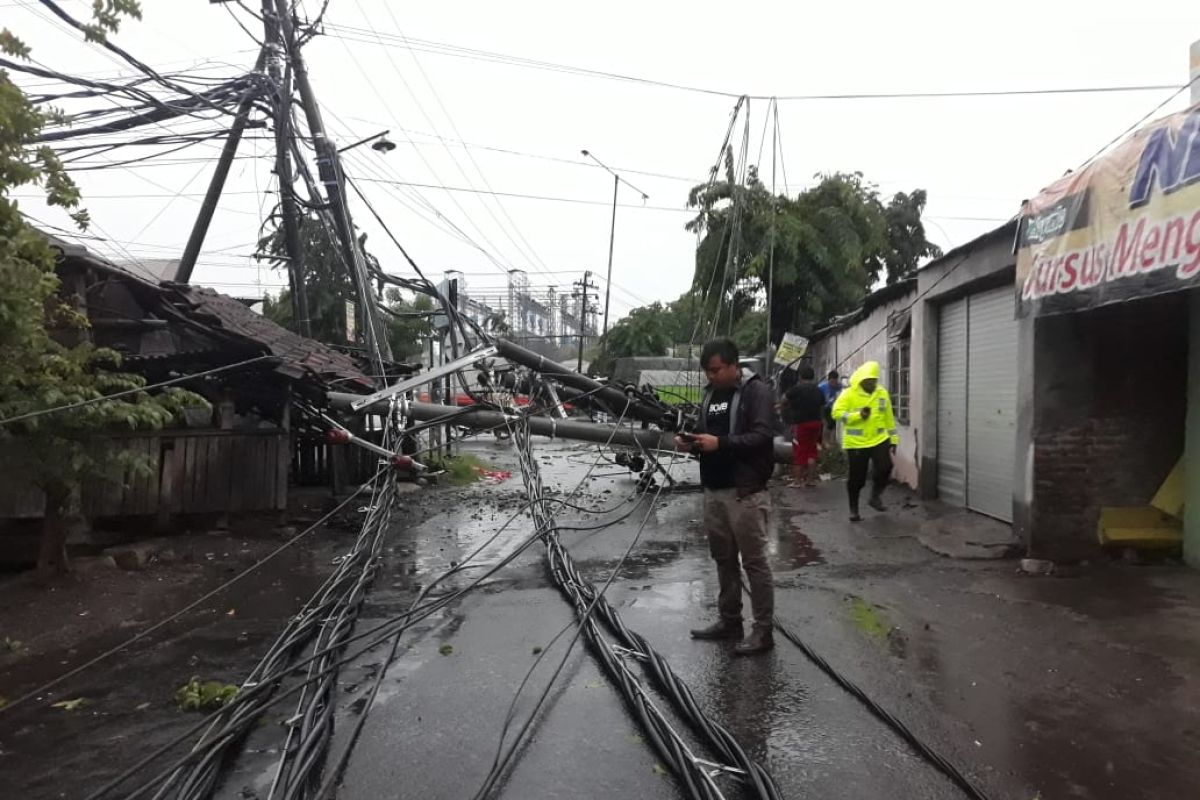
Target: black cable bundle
[589,602]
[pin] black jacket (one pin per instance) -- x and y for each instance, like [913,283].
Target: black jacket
[751,437]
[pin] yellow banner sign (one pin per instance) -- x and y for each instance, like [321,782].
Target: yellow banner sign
[792,348]
[1125,226]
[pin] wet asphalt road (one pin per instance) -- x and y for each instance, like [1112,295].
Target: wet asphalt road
[1083,686]
[435,727]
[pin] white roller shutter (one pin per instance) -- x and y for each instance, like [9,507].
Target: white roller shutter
[991,402]
[952,403]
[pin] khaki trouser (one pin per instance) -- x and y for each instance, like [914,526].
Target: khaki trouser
[738,526]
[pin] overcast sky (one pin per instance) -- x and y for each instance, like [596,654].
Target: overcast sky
[977,157]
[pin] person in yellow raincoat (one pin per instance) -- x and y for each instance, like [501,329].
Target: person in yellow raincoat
[869,434]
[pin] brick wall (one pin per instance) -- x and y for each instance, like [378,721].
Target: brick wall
[1110,401]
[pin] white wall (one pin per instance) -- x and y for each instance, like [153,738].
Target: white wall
[867,340]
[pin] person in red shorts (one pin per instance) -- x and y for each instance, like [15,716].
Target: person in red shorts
[803,404]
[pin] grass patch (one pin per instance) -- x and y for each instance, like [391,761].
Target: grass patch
[197,695]
[461,469]
[868,619]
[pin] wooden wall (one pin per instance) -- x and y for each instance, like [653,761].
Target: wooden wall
[190,472]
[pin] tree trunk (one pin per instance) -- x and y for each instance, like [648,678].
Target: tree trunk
[52,556]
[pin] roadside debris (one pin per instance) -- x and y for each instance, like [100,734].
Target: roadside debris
[197,695]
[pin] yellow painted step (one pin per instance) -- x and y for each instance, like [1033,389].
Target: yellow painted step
[1139,526]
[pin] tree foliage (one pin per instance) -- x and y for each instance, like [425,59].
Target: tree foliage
[408,325]
[326,285]
[830,244]
[651,330]
[646,331]
[328,291]
[46,360]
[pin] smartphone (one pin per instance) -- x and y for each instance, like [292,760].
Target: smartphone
[687,437]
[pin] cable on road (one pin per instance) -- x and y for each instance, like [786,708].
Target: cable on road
[189,607]
[502,760]
[590,604]
[256,695]
[903,731]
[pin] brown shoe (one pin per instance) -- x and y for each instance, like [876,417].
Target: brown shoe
[760,640]
[720,630]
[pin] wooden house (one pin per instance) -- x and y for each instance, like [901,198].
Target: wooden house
[242,456]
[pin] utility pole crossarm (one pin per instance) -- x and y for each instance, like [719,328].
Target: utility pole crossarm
[432,374]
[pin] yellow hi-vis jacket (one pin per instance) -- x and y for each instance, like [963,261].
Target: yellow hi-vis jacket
[879,426]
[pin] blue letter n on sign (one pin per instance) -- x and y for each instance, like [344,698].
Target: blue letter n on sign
[1171,160]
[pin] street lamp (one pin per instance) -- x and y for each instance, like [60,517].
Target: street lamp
[382,143]
[612,233]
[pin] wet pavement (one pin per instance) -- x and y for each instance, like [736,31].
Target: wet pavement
[1080,686]
[1076,687]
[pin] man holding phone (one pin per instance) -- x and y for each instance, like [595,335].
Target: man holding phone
[735,443]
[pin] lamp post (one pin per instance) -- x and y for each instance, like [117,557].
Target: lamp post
[612,234]
[383,145]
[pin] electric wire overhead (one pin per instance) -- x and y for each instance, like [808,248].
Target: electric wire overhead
[364,36]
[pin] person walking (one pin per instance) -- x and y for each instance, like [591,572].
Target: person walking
[735,443]
[869,434]
[804,404]
[830,388]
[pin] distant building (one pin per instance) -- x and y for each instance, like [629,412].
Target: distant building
[531,315]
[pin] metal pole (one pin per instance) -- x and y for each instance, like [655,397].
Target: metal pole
[191,251]
[329,169]
[288,207]
[447,395]
[771,257]
[582,317]
[612,397]
[612,236]
[435,435]
[483,419]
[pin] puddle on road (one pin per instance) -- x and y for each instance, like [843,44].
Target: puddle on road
[453,535]
[790,547]
[683,597]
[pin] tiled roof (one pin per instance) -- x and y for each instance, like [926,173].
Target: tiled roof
[227,318]
[300,355]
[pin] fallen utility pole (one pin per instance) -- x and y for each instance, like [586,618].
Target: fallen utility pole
[612,397]
[486,419]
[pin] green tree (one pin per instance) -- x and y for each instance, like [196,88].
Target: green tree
[326,284]
[829,244]
[750,333]
[408,325]
[682,315]
[646,331]
[46,360]
[907,246]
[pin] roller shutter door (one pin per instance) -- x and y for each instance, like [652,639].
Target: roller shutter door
[952,403]
[977,402]
[991,402]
